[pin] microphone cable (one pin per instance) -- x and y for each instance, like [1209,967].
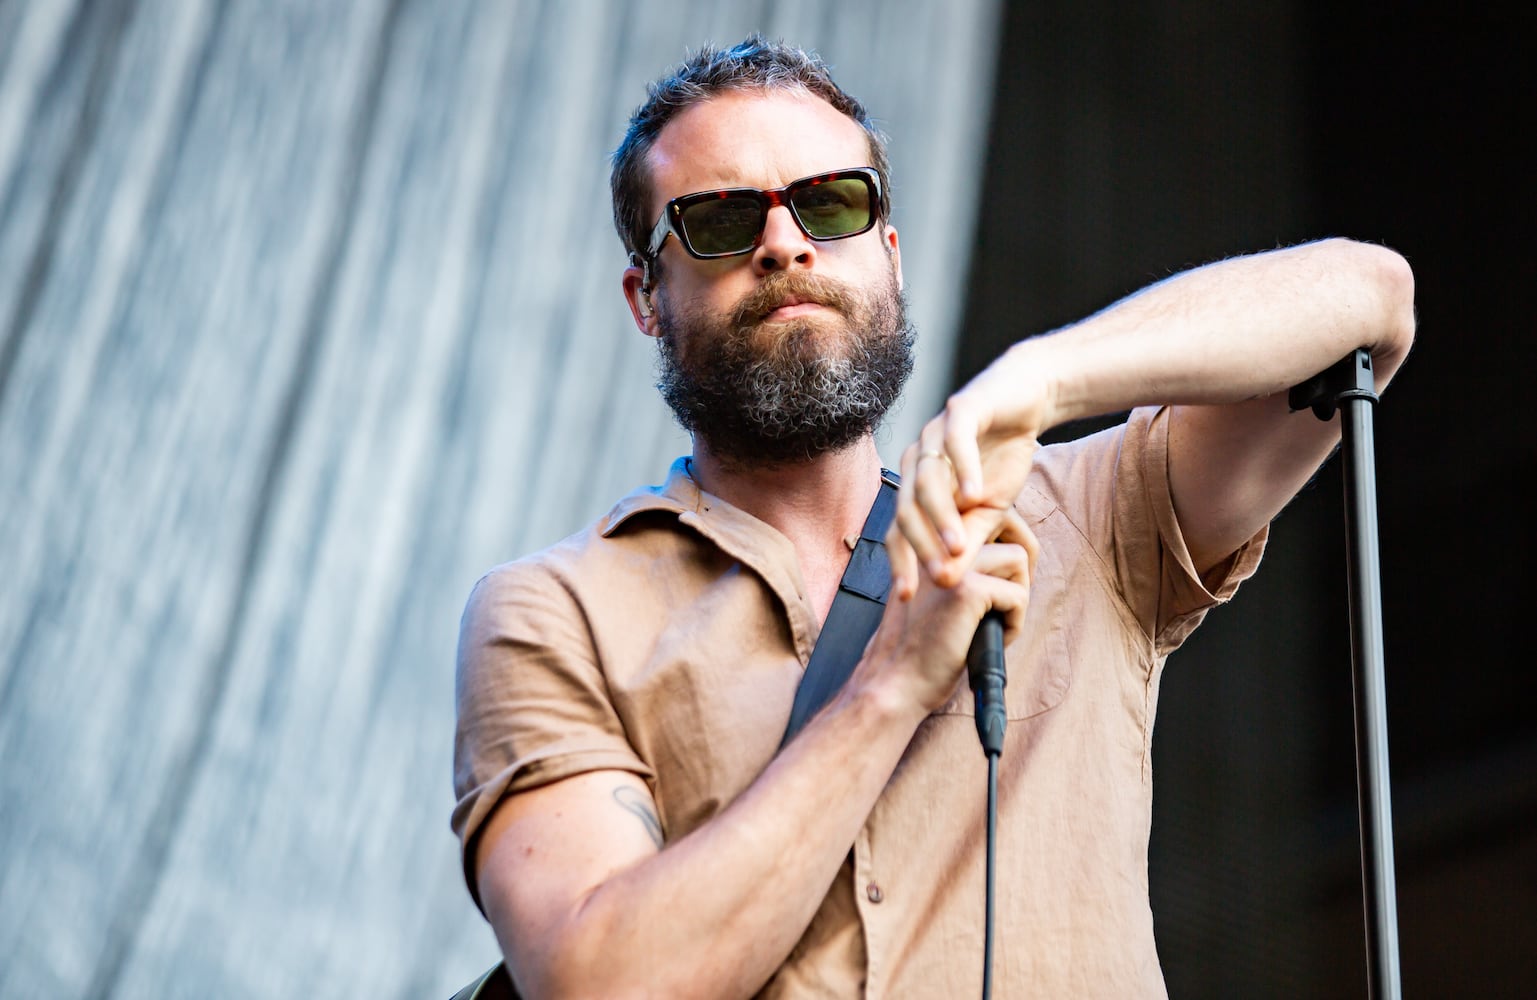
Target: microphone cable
[986,674]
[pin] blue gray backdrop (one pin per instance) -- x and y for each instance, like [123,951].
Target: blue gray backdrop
[310,313]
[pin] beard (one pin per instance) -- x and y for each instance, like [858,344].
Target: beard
[772,394]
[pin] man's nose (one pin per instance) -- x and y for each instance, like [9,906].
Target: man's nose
[784,245]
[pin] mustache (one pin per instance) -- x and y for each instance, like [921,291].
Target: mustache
[780,285]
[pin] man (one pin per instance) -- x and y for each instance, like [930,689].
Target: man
[630,825]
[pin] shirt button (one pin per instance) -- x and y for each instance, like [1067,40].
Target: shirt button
[873,893]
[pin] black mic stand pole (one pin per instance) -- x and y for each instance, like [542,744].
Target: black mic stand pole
[1348,386]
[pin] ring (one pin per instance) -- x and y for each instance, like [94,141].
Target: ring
[936,454]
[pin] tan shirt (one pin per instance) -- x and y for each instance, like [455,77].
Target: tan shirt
[668,639]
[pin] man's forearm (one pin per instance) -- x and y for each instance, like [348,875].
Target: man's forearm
[1222,342]
[1229,331]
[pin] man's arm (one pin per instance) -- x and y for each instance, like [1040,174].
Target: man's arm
[586,902]
[1224,342]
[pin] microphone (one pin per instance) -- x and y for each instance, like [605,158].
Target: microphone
[986,673]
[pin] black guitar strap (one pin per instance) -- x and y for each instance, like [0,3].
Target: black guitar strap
[856,611]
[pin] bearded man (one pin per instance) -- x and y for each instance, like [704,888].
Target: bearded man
[631,824]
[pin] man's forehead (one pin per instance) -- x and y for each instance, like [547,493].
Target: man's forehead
[752,138]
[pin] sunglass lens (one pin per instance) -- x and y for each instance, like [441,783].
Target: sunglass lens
[834,208]
[723,225]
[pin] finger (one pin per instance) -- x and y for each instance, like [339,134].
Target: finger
[1004,561]
[1014,529]
[1006,589]
[1014,562]
[934,489]
[981,525]
[960,443]
[904,564]
[928,551]
[1028,540]
[934,485]
[915,528]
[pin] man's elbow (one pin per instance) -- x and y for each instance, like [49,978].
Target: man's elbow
[575,958]
[1390,281]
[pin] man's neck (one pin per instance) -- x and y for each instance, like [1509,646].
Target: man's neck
[824,494]
[818,504]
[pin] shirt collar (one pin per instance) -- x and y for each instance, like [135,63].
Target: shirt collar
[677,495]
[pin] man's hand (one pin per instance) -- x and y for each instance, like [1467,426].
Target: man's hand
[962,475]
[924,635]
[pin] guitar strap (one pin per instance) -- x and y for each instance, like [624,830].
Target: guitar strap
[856,611]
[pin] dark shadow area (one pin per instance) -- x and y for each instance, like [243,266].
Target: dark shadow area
[1128,144]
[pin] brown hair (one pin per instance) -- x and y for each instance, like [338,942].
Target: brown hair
[753,63]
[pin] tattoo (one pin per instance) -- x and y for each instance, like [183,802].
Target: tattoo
[634,802]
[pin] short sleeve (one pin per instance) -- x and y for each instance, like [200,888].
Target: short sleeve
[1183,598]
[532,702]
[1132,529]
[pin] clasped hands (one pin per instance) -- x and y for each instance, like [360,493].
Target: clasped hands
[960,480]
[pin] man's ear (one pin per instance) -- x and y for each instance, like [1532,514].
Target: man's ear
[889,241]
[638,297]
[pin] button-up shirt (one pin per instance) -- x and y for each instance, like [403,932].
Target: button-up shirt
[667,640]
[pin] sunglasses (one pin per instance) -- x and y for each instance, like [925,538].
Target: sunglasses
[730,221]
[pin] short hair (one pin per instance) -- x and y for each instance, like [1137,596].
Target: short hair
[754,63]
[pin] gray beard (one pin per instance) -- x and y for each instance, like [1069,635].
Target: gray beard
[782,403]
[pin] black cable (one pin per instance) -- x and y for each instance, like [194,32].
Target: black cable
[985,672]
[992,836]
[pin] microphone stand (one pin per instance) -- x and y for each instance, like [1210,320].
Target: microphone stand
[1348,386]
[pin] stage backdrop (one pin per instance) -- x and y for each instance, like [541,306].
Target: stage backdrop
[309,314]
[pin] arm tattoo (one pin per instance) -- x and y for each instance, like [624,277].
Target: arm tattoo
[634,802]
